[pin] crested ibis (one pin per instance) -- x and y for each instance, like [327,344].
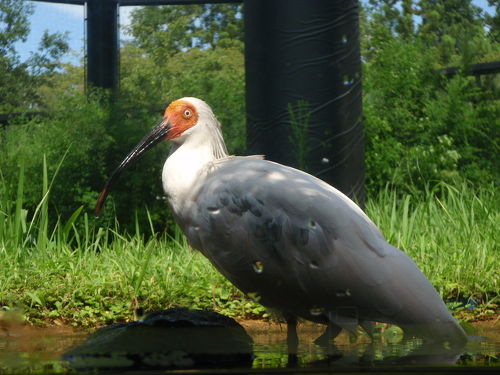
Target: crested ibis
[285,237]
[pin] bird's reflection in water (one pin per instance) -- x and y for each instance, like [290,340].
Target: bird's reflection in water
[31,350]
[386,349]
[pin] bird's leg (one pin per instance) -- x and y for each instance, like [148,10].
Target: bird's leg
[332,330]
[368,327]
[325,340]
[292,340]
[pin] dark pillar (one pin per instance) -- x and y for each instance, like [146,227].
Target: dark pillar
[303,56]
[102,43]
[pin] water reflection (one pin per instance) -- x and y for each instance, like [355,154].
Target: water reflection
[359,352]
[24,349]
[35,350]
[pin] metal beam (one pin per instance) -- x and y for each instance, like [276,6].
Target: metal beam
[145,2]
[102,43]
[303,86]
[174,2]
[73,2]
[491,67]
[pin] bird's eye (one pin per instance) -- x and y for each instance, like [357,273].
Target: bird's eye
[187,113]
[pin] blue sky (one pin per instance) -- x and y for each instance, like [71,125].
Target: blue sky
[69,18]
[62,18]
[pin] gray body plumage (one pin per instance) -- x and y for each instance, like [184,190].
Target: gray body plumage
[298,245]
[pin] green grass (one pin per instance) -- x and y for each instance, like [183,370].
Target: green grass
[81,273]
[105,283]
[450,232]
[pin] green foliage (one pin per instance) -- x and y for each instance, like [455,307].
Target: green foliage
[493,21]
[454,32]
[52,48]
[422,127]
[78,127]
[449,26]
[19,81]
[96,136]
[164,31]
[14,24]
[216,75]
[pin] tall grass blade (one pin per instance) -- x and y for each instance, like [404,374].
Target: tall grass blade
[19,225]
[44,209]
[43,205]
[70,222]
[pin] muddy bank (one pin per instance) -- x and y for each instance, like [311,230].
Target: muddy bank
[490,326]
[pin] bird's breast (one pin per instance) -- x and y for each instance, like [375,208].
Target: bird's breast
[183,172]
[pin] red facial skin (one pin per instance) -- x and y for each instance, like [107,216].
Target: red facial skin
[181,115]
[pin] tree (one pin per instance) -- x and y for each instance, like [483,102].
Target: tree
[19,80]
[194,50]
[493,21]
[420,126]
[396,15]
[451,26]
[454,30]
[14,78]
[14,25]
[46,59]
[166,30]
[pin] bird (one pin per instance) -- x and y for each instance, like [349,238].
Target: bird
[285,238]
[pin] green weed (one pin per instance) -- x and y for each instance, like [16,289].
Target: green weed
[452,234]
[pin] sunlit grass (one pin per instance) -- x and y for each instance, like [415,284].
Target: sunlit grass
[450,232]
[81,272]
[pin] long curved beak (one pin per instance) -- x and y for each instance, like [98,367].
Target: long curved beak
[158,134]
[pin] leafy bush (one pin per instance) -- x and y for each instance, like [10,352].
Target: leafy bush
[215,75]
[77,128]
[94,137]
[422,127]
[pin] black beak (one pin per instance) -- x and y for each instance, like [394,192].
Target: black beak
[158,134]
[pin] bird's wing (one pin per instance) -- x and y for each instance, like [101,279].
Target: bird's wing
[295,243]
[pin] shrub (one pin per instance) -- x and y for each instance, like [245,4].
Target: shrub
[95,137]
[422,127]
[79,128]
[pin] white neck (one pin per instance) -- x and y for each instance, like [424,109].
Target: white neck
[189,159]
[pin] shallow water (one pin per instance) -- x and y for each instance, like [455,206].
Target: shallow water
[25,349]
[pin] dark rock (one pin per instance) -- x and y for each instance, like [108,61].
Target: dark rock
[174,338]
